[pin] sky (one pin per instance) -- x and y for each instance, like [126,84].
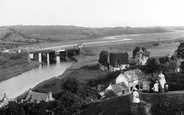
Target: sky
[92,13]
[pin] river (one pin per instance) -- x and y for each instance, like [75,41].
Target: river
[19,84]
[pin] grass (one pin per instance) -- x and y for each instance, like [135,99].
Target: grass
[9,72]
[161,104]
[12,65]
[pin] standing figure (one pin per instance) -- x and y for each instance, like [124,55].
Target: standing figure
[136,99]
[156,87]
[162,81]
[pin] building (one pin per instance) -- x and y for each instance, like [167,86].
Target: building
[132,78]
[38,97]
[119,89]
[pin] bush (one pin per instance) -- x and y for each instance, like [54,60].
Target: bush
[180,50]
[70,85]
[113,75]
[175,81]
[174,86]
[92,83]
[110,94]
[152,66]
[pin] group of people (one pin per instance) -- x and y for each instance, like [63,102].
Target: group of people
[160,84]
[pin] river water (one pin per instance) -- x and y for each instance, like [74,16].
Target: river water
[19,84]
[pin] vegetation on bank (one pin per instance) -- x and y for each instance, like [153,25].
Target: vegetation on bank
[71,100]
[12,65]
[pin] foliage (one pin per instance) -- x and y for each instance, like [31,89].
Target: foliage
[110,76]
[152,66]
[68,104]
[72,102]
[70,85]
[175,81]
[110,94]
[8,60]
[168,68]
[165,104]
[180,50]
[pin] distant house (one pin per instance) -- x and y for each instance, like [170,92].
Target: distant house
[132,78]
[118,89]
[113,61]
[5,100]
[38,97]
[6,51]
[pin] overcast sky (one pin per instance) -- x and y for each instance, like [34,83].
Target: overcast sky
[92,13]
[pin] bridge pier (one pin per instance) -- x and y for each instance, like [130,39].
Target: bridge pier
[48,58]
[77,51]
[63,55]
[71,53]
[68,54]
[51,57]
[40,57]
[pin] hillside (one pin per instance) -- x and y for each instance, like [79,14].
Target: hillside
[37,34]
[161,104]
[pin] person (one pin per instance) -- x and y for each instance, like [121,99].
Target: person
[136,99]
[156,87]
[162,81]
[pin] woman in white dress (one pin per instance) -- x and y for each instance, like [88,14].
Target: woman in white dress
[162,81]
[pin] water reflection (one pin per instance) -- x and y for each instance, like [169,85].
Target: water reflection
[17,85]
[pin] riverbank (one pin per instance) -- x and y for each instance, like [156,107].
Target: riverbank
[12,71]
[87,66]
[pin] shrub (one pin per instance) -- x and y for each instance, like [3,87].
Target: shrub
[152,66]
[113,75]
[180,50]
[70,85]
[110,94]
[91,83]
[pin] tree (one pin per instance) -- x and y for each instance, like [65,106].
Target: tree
[152,66]
[180,50]
[71,85]
[110,94]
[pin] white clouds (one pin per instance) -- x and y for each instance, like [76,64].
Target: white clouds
[94,13]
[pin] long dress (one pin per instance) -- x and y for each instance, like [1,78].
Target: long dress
[136,97]
[162,81]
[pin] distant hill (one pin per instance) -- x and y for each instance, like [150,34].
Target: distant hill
[37,34]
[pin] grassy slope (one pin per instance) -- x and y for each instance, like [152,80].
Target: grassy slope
[12,65]
[161,104]
[9,72]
